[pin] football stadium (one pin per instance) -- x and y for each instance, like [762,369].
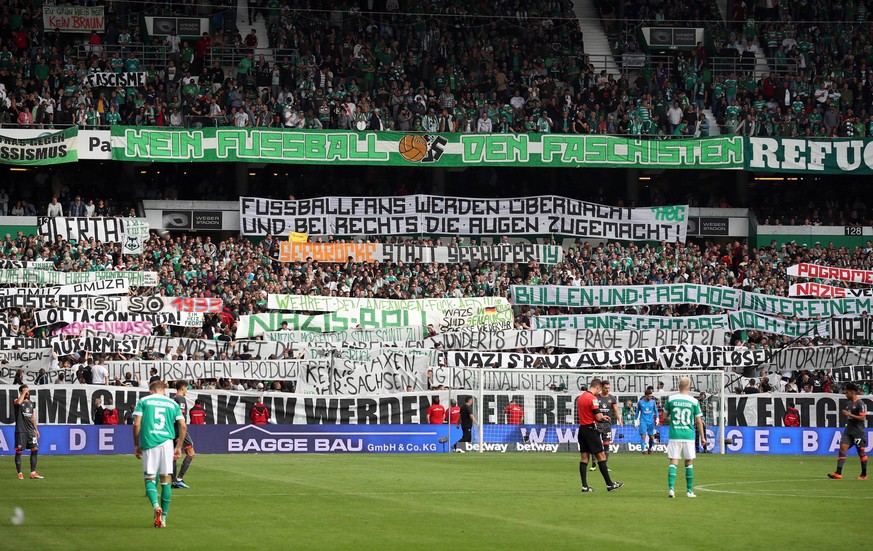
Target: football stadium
[377,274]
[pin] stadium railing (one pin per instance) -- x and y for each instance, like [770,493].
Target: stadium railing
[147,54]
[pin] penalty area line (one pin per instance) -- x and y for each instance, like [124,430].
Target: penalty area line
[711,488]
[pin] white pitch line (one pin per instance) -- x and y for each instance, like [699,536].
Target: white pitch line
[709,488]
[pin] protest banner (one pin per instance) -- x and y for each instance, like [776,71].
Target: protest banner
[629,321]
[584,360]
[76,328]
[47,149]
[726,298]
[53,316]
[714,359]
[6,264]
[268,145]
[254,325]
[50,278]
[428,214]
[132,233]
[21,343]
[815,271]
[818,358]
[27,360]
[387,334]
[73,19]
[194,348]
[410,254]
[312,303]
[369,353]
[58,297]
[385,374]
[151,304]
[579,339]
[744,320]
[115,80]
[190,370]
[851,329]
[810,156]
[94,345]
[821,290]
[852,374]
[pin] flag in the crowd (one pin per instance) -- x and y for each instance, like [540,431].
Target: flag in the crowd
[491,310]
[298,237]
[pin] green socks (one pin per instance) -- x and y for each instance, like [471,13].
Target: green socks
[166,491]
[671,476]
[689,477]
[152,492]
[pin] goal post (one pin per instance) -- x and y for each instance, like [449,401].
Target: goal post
[535,409]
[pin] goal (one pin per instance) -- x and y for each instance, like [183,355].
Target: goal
[531,410]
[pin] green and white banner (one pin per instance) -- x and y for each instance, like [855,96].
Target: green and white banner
[49,148]
[810,156]
[405,149]
[628,321]
[309,303]
[354,337]
[372,318]
[746,320]
[726,298]
[432,214]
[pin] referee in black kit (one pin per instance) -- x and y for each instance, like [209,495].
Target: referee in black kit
[466,421]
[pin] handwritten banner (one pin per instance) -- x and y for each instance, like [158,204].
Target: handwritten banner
[312,303]
[49,278]
[821,290]
[290,251]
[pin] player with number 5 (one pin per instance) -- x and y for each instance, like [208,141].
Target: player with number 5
[154,430]
[683,411]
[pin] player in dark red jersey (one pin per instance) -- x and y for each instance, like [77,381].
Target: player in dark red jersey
[188,444]
[436,413]
[855,433]
[26,431]
[590,443]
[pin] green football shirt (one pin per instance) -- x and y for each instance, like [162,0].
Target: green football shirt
[683,409]
[159,415]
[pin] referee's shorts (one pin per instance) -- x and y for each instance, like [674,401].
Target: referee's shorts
[589,439]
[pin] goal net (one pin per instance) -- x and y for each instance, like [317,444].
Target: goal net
[531,410]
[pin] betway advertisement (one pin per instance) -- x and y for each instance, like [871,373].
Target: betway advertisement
[221,439]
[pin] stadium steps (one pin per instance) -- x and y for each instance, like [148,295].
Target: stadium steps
[596,41]
[260,27]
[762,68]
[714,130]
[723,9]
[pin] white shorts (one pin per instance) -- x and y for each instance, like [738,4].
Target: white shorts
[158,460]
[681,449]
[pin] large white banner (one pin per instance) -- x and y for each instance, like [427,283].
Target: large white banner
[579,339]
[6,264]
[260,370]
[68,315]
[726,298]
[389,373]
[430,214]
[816,271]
[584,360]
[188,348]
[821,290]
[94,345]
[132,233]
[515,253]
[50,278]
[78,328]
[311,303]
[28,360]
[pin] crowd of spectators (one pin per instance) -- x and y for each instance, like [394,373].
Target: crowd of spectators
[242,273]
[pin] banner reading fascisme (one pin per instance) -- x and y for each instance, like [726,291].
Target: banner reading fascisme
[810,156]
[726,298]
[47,277]
[816,271]
[291,251]
[431,214]
[48,148]
[438,150]
[311,303]
[821,290]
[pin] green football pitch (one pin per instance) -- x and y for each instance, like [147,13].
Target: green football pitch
[474,501]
